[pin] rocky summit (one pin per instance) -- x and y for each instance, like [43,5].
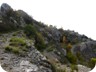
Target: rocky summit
[27,45]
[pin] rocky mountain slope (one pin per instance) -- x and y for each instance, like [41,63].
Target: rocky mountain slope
[27,45]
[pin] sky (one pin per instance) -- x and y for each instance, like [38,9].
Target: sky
[77,15]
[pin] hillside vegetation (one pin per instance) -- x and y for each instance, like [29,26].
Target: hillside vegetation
[27,45]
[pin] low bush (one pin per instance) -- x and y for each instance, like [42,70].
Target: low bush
[73,67]
[8,48]
[12,49]
[93,60]
[72,58]
[40,44]
[30,30]
[17,46]
[92,63]
[79,56]
[15,41]
[15,50]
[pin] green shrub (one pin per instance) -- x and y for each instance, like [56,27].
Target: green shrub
[71,58]
[15,50]
[30,30]
[40,44]
[12,49]
[92,63]
[73,67]
[40,47]
[17,41]
[17,46]
[8,48]
[93,60]
[79,56]
[24,49]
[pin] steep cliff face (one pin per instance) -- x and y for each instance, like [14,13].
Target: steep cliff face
[28,45]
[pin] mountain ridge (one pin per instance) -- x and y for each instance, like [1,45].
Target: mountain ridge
[41,48]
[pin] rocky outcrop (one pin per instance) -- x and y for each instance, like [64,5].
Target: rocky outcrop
[82,68]
[8,18]
[5,8]
[86,49]
[74,37]
[33,61]
[36,56]
[12,20]
[26,66]
[25,16]
[44,48]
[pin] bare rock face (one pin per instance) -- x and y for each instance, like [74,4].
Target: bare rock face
[86,49]
[82,68]
[8,18]
[5,8]
[26,66]
[25,16]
